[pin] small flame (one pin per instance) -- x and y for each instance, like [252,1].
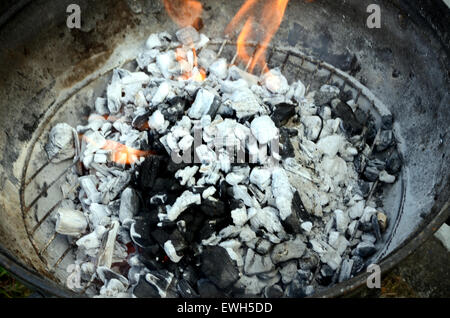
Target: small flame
[183,12]
[189,66]
[269,21]
[120,153]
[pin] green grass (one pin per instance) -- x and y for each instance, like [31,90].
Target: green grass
[10,287]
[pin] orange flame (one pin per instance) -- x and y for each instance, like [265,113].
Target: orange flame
[120,153]
[269,21]
[183,12]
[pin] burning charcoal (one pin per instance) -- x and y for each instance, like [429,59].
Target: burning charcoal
[185,290]
[385,177]
[99,214]
[208,192]
[186,175]
[330,145]
[349,121]
[186,199]
[257,264]
[212,207]
[282,113]
[187,35]
[288,250]
[219,68]
[61,143]
[364,249]
[356,210]
[384,140]
[282,191]
[207,289]
[100,106]
[306,226]
[260,177]
[202,104]
[70,222]
[218,266]
[274,291]
[129,205]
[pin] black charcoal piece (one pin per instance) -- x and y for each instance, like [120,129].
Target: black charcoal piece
[160,236]
[385,140]
[173,167]
[371,173]
[148,171]
[214,107]
[298,209]
[213,207]
[286,148]
[190,275]
[185,289]
[297,288]
[207,289]
[282,113]
[351,124]
[309,262]
[140,231]
[364,188]
[178,240]
[162,284]
[346,270]
[326,275]
[218,266]
[174,109]
[140,121]
[358,264]
[144,290]
[346,95]
[274,291]
[165,184]
[387,122]
[376,227]
[364,249]
[394,163]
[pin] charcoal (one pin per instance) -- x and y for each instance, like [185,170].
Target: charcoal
[178,241]
[346,270]
[106,274]
[288,271]
[257,264]
[371,173]
[206,231]
[274,291]
[309,262]
[140,231]
[323,97]
[174,109]
[140,121]
[288,250]
[297,289]
[346,95]
[207,289]
[364,188]
[298,209]
[149,170]
[214,107]
[158,199]
[361,116]
[326,275]
[358,264]
[263,246]
[394,163]
[218,266]
[385,140]
[161,284]
[387,122]
[160,236]
[185,289]
[286,147]
[189,274]
[144,290]
[364,249]
[376,227]
[165,184]
[351,124]
[282,113]
[213,207]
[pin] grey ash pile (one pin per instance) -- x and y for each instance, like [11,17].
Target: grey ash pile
[231,184]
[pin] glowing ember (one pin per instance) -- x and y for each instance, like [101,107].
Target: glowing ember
[183,12]
[268,20]
[120,153]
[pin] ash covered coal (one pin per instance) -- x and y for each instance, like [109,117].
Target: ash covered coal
[202,180]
